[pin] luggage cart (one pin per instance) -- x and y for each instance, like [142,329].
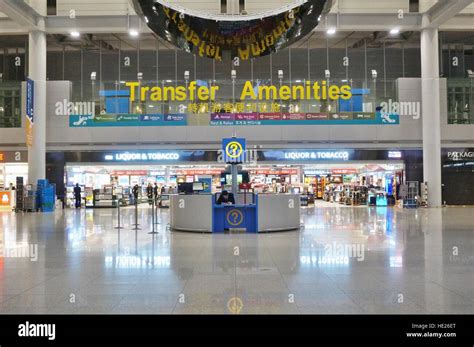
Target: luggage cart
[411,199]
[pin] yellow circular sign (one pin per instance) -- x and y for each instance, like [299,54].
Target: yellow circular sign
[235,305]
[235,217]
[234,149]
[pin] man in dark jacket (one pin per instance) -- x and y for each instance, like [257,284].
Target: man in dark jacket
[77,195]
[135,193]
[226,198]
[149,193]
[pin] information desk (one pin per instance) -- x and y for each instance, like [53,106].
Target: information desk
[226,217]
[191,212]
[268,213]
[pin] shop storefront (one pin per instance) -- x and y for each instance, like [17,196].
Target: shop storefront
[12,165]
[107,176]
[458,176]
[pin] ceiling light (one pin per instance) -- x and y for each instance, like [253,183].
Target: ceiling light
[331,31]
[395,31]
[134,33]
[75,34]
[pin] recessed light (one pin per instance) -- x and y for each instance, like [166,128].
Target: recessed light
[395,31]
[134,33]
[75,34]
[331,31]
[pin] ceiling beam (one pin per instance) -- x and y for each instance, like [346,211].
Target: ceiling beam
[116,24]
[370,22]
[443,11]
[22,14]
[120,24]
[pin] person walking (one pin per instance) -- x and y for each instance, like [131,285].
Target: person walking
[77,195]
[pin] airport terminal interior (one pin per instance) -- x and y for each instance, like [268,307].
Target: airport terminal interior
[237,157]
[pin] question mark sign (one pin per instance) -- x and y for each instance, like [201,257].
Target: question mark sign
[235,215]
[234,148]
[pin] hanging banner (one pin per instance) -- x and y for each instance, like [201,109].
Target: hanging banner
[229,37]
[30,111]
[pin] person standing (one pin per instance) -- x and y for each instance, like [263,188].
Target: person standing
[135,193]
[155,192]
[77,195]
[149,193]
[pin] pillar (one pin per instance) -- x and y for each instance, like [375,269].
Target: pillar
[37,72]
[430,96]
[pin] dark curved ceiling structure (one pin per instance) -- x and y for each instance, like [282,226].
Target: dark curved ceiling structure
[227,37]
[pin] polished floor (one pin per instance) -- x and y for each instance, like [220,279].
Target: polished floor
[343,260]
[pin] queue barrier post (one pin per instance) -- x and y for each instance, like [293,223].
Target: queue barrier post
[136,216]
[119,226]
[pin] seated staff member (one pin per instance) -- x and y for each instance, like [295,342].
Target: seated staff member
[226,198]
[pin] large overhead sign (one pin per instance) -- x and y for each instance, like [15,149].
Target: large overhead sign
[242,37]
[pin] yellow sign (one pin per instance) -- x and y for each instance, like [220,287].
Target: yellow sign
[298,91]
[234,150]
[235,217]
[235,305]
[29,133]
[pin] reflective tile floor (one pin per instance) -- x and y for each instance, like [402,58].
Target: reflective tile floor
[343,260]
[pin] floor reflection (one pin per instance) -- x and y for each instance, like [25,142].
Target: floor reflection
[343,260]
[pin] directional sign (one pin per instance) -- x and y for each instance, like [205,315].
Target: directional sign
[30,111]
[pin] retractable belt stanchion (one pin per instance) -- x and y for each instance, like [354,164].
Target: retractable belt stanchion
[153,207]
[157,221]
[136,216]
[118,213]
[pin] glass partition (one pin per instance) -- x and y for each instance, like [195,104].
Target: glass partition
[10,106]
[461,101]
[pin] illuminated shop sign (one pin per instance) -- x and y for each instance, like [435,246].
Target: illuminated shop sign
[307,155]
[344,171]
[274,172]
[319,155]
[460,155]
[138,156]
[199,172]
[317,172]
[395,154]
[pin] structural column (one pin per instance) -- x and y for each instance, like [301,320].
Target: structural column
[37,72]
[430,95]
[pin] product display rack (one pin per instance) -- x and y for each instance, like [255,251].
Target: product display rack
[105,197]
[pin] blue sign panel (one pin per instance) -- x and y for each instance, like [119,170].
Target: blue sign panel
[30,100]
[207,185]
[234,150]
[127,120]
[176,119]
